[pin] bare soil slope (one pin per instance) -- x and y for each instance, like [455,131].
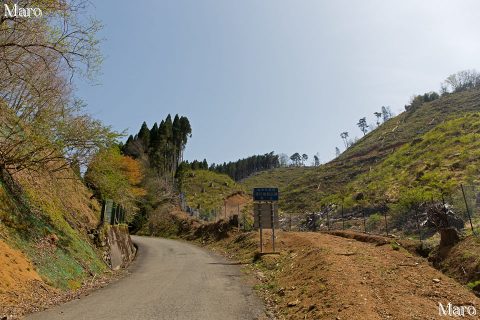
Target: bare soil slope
[322,276]
[19,281]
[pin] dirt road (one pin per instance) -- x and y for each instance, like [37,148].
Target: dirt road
[169,280]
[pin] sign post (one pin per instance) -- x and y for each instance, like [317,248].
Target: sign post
[265,202]
[261,230]
[273,226]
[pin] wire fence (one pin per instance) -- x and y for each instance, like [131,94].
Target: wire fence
[228,210]
[460,209]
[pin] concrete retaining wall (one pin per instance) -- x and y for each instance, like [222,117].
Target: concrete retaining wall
[121,248]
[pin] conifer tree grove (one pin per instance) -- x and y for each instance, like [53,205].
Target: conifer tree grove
[243,168]
[162,145]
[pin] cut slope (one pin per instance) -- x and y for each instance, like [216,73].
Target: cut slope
[49,225]
[18,279]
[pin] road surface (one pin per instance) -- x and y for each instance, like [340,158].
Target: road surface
[169,280]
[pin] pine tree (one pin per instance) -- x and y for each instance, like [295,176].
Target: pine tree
[337,152]
[167,143]
[204,164]
[144,136]
[162,145]
[362,124]
[186,132]
[154,139]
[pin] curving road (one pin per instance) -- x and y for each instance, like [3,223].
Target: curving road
[169,280]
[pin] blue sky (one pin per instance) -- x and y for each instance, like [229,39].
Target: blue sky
[272,75]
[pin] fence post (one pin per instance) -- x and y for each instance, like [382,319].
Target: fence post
[328,220]
[468,210]
[386,223]
[364,222]
[343,219]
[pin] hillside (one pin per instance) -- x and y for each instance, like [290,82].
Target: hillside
[207,192]
[43,236]
[321,276]
[409,138]
[207,197]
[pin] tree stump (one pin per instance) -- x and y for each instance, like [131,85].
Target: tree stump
[448,237]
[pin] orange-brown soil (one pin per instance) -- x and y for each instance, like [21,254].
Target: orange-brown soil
[19,282]
[322,276]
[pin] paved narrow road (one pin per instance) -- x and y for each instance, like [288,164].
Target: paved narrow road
[169,280]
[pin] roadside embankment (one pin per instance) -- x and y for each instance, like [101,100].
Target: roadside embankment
[47,251]
[322,276]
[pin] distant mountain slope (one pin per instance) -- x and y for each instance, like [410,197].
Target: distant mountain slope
[206,190]
[305,189]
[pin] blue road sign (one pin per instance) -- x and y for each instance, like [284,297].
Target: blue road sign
[265,194]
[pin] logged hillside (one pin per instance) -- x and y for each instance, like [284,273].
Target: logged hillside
[410,144]
[207,191]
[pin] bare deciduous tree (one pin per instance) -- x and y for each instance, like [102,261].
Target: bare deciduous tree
[461,81]
[344,136]
[40,120]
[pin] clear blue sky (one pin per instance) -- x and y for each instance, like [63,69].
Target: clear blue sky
[255,76]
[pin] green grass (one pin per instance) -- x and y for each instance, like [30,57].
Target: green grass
[395,246]
[206,190]
[473,284]
[443,158]
[67,263]
[436,145]
[279,178]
